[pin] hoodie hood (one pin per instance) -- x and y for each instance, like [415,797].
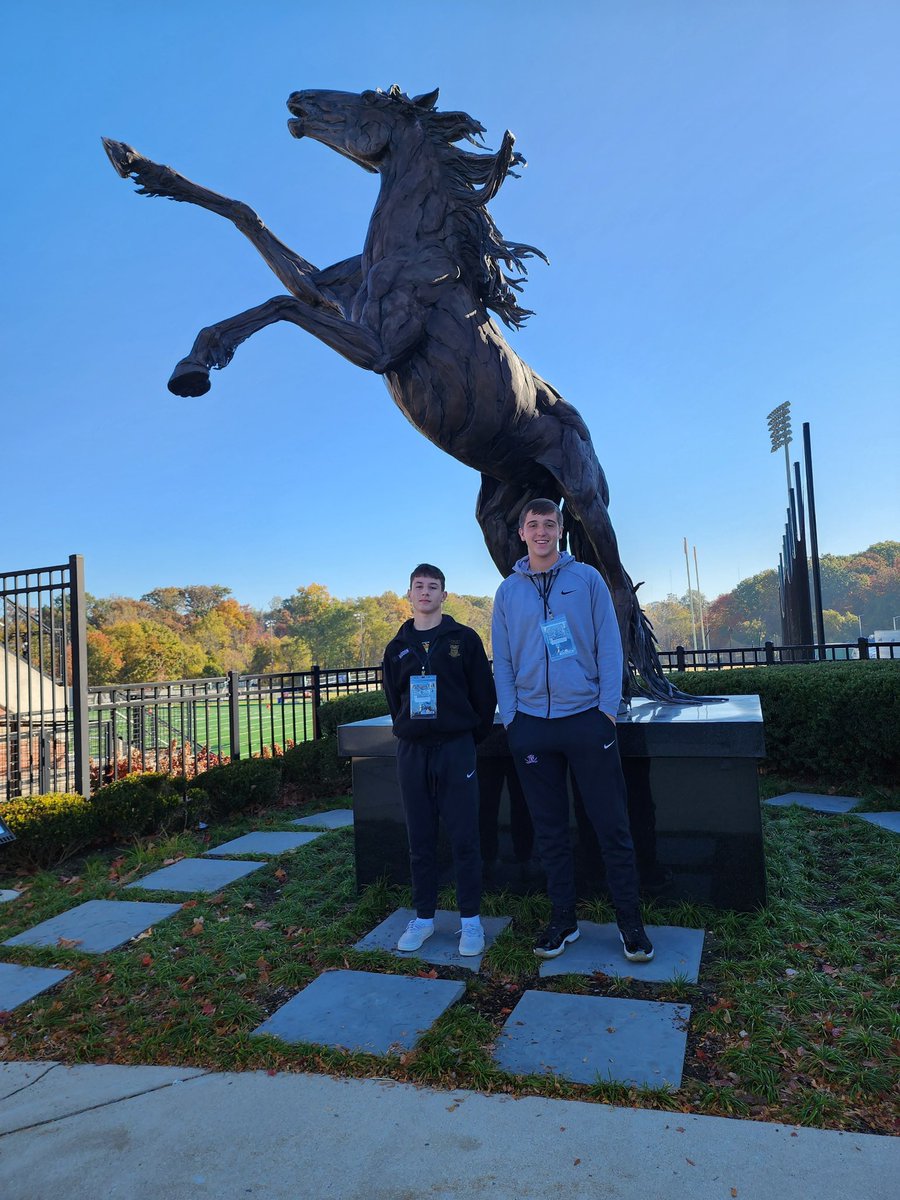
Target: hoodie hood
[523,568]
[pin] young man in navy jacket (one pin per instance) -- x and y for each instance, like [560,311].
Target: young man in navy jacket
[558,671]
[440,692]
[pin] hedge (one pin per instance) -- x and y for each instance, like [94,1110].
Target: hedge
[238,785]
[51,828]
[836,721]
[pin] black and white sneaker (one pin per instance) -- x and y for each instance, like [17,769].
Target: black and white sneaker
[551,941]
[636,944]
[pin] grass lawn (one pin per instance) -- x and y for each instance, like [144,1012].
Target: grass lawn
[794,1019]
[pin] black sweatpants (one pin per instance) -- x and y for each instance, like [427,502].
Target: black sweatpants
[542,750]
[441,782]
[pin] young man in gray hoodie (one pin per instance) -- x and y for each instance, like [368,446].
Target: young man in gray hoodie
[558,673]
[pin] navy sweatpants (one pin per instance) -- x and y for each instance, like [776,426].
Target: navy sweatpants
[542,750]
[441,782]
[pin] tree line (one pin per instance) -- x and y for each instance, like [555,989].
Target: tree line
[189,632]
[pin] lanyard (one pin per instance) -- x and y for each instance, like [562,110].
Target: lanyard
[545,587]
[424,662]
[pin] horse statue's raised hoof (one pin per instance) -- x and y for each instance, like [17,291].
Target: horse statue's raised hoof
[189,379]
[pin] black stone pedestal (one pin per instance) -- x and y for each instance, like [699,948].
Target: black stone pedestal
[692,793]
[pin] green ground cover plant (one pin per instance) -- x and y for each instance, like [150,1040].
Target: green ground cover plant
[794,1018]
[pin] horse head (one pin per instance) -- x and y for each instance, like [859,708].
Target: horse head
[359,126]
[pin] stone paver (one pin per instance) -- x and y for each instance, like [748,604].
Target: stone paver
[886,820]
[97,925]
[7,894]
[355,1010]
[262,842]
[18,984]
[817,803]
[335,818]
[442,948]
[583,1038]
[195,875]
[599,948]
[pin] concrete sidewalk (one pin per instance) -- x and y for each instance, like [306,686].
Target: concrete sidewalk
[162,1133]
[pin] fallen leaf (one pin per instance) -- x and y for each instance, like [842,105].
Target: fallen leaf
[208,1009]
[262,924]
[219,898]
[68,943]
[147,933]
[281,875]
[734,1191]
[690,1162]
[271,1071]
[197,927]
[189,904]
[250,905]
[147,960]
[576,1162]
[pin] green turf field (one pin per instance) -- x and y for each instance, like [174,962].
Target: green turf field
[205,724]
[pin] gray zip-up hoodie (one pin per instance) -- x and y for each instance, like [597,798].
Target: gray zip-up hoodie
[526,678]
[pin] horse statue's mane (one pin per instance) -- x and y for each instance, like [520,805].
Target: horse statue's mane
[475,180]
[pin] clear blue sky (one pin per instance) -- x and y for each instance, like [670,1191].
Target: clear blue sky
[717,187]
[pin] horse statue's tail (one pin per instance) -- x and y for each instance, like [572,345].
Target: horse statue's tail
[644,675]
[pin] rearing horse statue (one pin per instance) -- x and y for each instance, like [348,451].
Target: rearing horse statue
[415,308]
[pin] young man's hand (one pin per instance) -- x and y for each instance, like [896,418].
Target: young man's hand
[610,715]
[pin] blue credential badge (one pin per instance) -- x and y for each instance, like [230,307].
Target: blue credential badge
[558,638]
[423,697]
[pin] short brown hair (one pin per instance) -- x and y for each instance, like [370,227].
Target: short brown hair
[540,508]
[428,571]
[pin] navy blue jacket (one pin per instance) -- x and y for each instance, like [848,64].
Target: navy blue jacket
[465,686]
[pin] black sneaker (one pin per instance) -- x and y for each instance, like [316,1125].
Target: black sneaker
[637,946]
[551,941]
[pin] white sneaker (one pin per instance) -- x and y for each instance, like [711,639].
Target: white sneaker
[471,939]
[415,934]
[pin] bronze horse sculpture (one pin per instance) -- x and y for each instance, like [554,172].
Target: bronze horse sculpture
[415,307]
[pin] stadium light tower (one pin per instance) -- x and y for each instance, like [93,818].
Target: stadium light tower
[779,420]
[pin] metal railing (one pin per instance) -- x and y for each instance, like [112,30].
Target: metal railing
[43,680]
[770,655]
[186,726]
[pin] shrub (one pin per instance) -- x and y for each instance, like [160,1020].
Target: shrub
[251,781]
[134,805]
[836,721]
[51,828]
[314,767]
[343,710]
[48,828]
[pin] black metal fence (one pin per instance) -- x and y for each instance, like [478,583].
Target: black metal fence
[186,726]
[43,680]
[770,655]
